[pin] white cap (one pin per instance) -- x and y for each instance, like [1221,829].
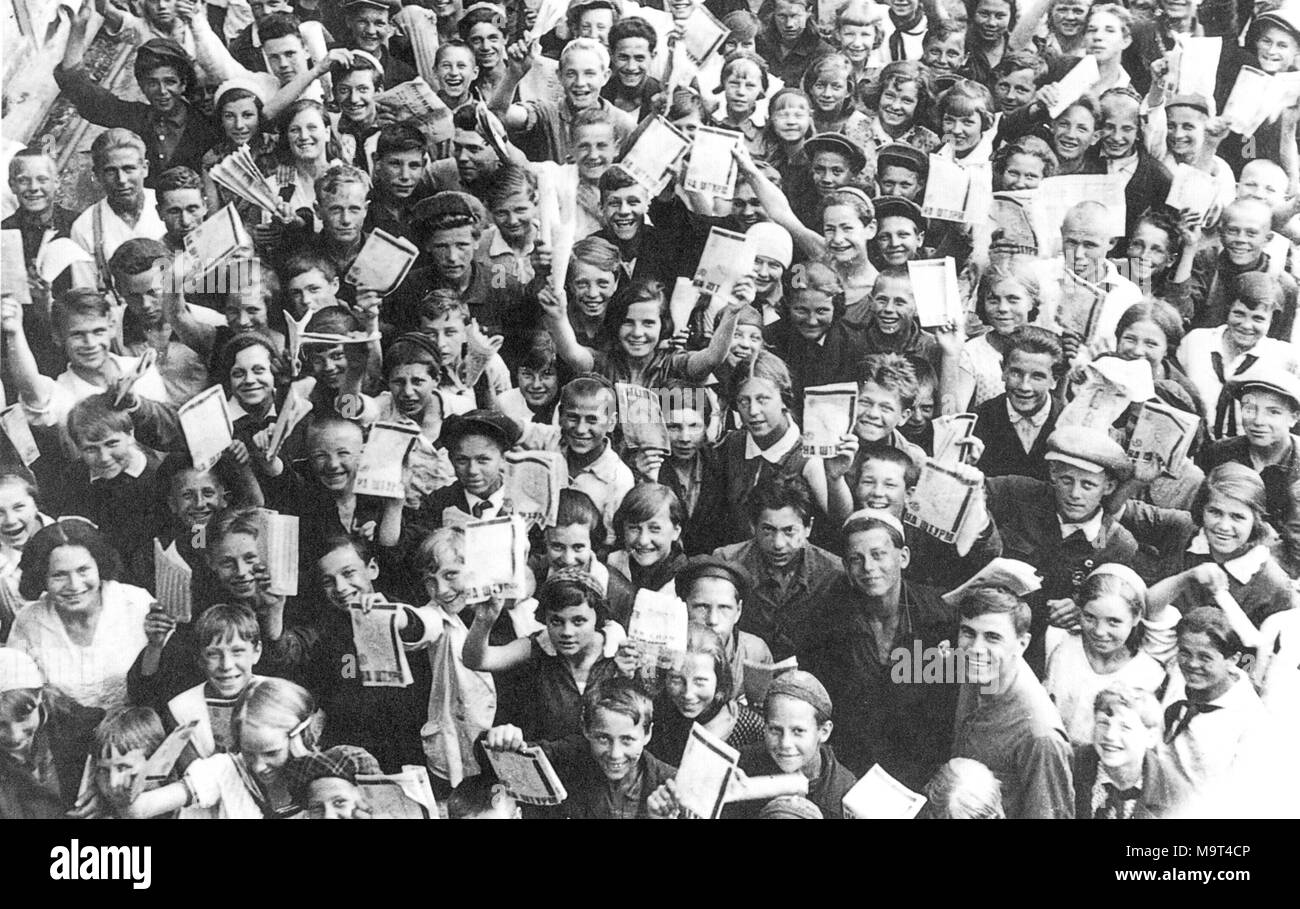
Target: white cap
[18,671]
[771,241]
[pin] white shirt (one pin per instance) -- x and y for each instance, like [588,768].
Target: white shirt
[1243,567]
[1090,528]
[1028,427]
[1217,744]
[494,503]
[116,232]
[775,453]
[62,393]
[1194,353]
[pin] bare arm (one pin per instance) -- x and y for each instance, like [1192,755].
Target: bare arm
[1023,34]
[582,359]
[481,656]
[778,207]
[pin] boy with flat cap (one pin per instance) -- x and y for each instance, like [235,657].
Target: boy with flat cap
[477,443]
[1061,526]
[901,171]
[714,592]
[325,783]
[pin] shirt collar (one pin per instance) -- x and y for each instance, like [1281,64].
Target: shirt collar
[496,500]
[1038,418]
[1243,567]
[777,452]
[1091,528]
[134,467]
[236,409]
[605,467]
[176,118]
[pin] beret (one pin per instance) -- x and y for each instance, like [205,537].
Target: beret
[1091,449]
[835,142]
[488,423]
[344,762]
[802,686]
[709,566]
[771,241]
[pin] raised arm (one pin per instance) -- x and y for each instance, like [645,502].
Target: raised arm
[1027,24]
[481,656]
[582,359]
[18,354]
[700,363]
[777,205]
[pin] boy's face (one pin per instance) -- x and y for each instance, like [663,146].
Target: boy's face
[1067,17]
[412,387]
[624,210]
[746,340]
[398,172]
[686,431]
[992,19]
[830,171]
[714,604]
[1120,738]
[1105,36]
[86,341]
[780,535]
[583,75]
[745,206]
[18,515]
[789,20]
[991,646]
[1267,417]
[263,8]
[899,181]
[286,57]
[452,251]
[195,496]
[1276,49]
[355,95]
[1073,133]
[141,295]
[1261,180]
[899,239]
[107,454]
[246,310]
[33,180]
[946,56]
[334,453]
[121,174]
[1148,251]
[1205,670]
[447,332]
[592,289]
[334,799]
[792,734]
[311,291]
[514,217]
[892,305]
[762,411]
[328,364]
[585,422]
[882,485]
[488,44]
[160,12]
[649,542]
[343,212]
[345,579]
[830,88]
[1084,242]
[181,210]
[1246,326]
[631,61]
[880,412]
[923,409]
[1119,127]
[478,462]
[475,159]
[1245,232]
[228,665]
[903,9]
[538,386]
[812,313]
[235,561]
[596,23]
[1014,90]
[1029,380]
[1186,132]
[594,150]
[569,547]
[1079,492]
[457,70]
[1022,172]
[369,27]
[873,563]
[616,743]
[163,87]
[115,774]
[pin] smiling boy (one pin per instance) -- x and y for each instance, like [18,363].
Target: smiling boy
[588,413]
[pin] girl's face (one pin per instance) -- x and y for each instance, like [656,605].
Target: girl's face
[1246,326]
[694,685]
[72,580]
[830,88]
[329,365]
[1107,623]
[239,120]
[412,386]
[992,21]
[1148,252]
[845,234]
[812,313]
[265,750]
[1105,37]
[1276,49]
[444,583]
[20,719]
[1144,340]
[649,542]
[251,379]
[687,432]
[572,630]
[767,275]
[1022,172]
[857,42]
[1186,132]
[742,88]
[898,104]
[308,135]
[19,518]
[1008,306]
[791,118]
[762,412]
[1227,524]
[962,131]
[746,340]
[538,386]
[592,289]
[639,333]
[1073,133]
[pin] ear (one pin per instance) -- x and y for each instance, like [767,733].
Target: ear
[372,570]
[906,414]
[872,228]
[905,557]
[1111,485]
[1023,641]
[334,284]
[257,653]
[824,731]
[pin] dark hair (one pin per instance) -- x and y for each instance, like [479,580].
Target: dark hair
[279,25]
[79,301]
[878,451]
[137,256]
[642,290]
[510,180]
[576,507]
[905,71]
[475,794]
[622,696]
[684,103]
[225,359]
[1256,289]
[283,151]
[224,622]
[174,178]
[614,179]
[1159,313]
[1030,146]
[91,418]
[557,596]
[408,351]
[941,30]
[1165,219]
[304,261]
[644,501]
[35,562]
[1017,60]
[776,494]
[1241,484]
[399,137]
[995,600]
[1031,339]
[1211,622]
[633,27]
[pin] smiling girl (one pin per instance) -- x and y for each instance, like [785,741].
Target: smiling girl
[789,126]
[829,83]
[744,83]
[239,110]
[901,100]
[1008,297]
[968,123]
[1121,639]
[19,519]
[987,36]
[649,524]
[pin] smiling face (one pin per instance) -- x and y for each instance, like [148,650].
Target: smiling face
[228,664]
[762,412]
[1007,305]
[328,365]
[583,75]
[746,209]
[1267,417]
[792,734]
[1079,493]
[235,561]
[592,288]
[830,171]
[445,583]
[514,217]
[791,118]
[1073,133]
[1247,326]
[830,88]
[1148,253]
[616,743]
[768,273]
[19,517]
[882,485]
[538,386]
[1085,239]
[874,563]
[595,23]
[1245,231]
[343,212]
[251,378]
[746,340]
[265,750]
[334,453]
[631,62]
[488,44]
[1029,379]
[1119,127]
[475,159]
[624,211]
[880,412]
[962,131]
[946,56]
[858,41]
[1144,340]
[693,686]
[892,305]
[479,464]
[1276,49]
[1067,18]
[107,454]
[595,146]
[33,179]
[898,104]
[354,92]
[898,240]
[72,581]
[992,21]
[846,234]
[1120,737]
[164,89]
[345,580]
[308,136]
[457,69]
[1014,90]
[1106,623]
[991,646]
[1022,172]
[812,313]
[1186,132]
[569,546]
[369,27]
[398,173]
[638,334]
[195,496]
[649,542]
[1206,671]
[1263,180]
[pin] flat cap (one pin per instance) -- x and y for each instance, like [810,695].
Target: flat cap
[898,207]
[344,762]
[1199,102]
[1271,376]
[488,423]
[835,142]
[709,566]
[802,686]
[1090,449]
[899,154]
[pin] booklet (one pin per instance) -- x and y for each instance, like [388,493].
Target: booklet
[712,169]
[1163,434]
[640,415]
[379,472]
[143,364]
[278,548]
[293,410]
[758,678]
[13,419]
[217,240]
[383,262]
[206,424]
[1020,578]
[1195,65]
[381,658]
[13,267]
[58,255]
[704,775]
[683,301]
[950,432]
[1250,102]
[1075,84]
[533,481]
[1110,386]
[239,175]
[878,796]
[404,796]
[659,626]
[421,28]
[528,776]
[1192,189]
[727,257]
[172,579]
[496,553]
[946,190]
[943,500]
[702,34]
[1078,305]
[416,103]
[937,295]
[655,151]
[159,765]
[828,413]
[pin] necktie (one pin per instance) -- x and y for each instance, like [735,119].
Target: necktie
[1179,714]
[1225,414]
[1116,799]
[479,507]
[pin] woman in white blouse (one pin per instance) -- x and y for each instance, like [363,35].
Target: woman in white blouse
[85,627]
[307,148]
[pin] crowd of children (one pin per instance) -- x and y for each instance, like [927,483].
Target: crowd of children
[1111,614]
